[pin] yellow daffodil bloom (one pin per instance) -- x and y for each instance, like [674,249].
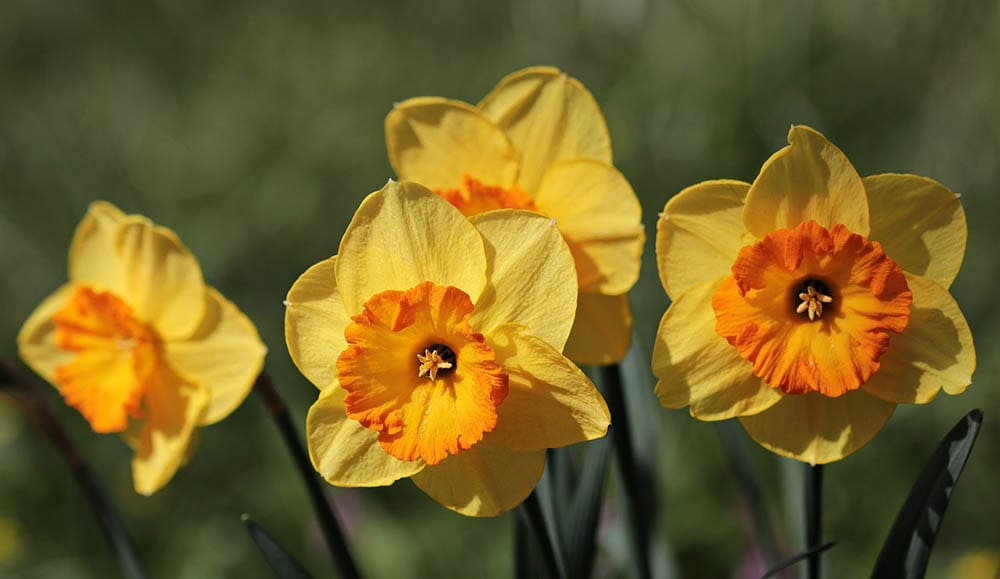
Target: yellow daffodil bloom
[811,302]
[537,142]
[434,340]
[139,344]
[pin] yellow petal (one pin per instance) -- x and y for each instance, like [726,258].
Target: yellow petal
[602,330]
[810,179]
[173,407]
[403,235]
[934,351]
[434,141]
[549,116]
[36,342]
[224,354]
[531,276]
[920,224]
[315,320]
[600,217]
[484,481]
[94,244]
[550,402]
[145,265]
[345,452]
[696,367]
[816,429]
[699,234]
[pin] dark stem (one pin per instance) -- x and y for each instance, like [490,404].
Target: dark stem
[530,512]
[611,381]
[26,392]
[734,445]
[321,505]
[814,516]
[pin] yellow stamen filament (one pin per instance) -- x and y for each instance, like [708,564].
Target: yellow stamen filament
[430,362]
[812,302]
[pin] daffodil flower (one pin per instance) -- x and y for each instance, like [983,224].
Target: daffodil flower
[434,340]
[139,344]
[537,142]
[812,302]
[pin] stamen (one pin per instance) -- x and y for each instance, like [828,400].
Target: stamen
[813,299]
[436,358]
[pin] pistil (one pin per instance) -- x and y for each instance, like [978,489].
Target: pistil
[812,301]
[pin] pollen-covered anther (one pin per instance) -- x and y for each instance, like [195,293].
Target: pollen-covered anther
[435,359]
[812,302]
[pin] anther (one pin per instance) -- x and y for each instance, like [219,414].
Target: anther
[437,358]
[812,300]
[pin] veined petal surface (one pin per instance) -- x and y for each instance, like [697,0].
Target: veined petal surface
[550,402]
[699,234]
[935,350]
[403,235]
[532,280]
[436,141]
[315,320]
[810,179]
[345,452]
[696,367]
[549,116]
[600,218]
[817,429]
[225,354]
[484,481]
[920,224]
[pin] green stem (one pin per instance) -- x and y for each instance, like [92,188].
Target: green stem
[814,516]
[531,514]
[323,508]
[621,436]
[25,390]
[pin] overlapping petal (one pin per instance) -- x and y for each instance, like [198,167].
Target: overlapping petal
[36,341]
[549,116]
[696,367]
[818,429]
[920,224]
[810,179]
[174,406]
[484,481]
[224,354]
[934,352]
[527,259]
[403,235]
[699,234]
[550,402]
[602,329]
[436,141]
[601,220]
[346,453]
[315,320]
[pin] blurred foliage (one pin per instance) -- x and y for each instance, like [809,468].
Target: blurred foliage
[255,129]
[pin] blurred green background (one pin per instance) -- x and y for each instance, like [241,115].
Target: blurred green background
[255,129]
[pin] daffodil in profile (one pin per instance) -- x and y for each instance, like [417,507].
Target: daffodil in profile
[138,344]
[537,142]
[435,342]
[811,302]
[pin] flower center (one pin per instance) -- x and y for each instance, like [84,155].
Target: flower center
[449,402]
[115,357]
[812,294]
[436,359]
[812,308]
[475,197]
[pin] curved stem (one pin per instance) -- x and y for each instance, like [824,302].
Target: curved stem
[321,505]
[26,392]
